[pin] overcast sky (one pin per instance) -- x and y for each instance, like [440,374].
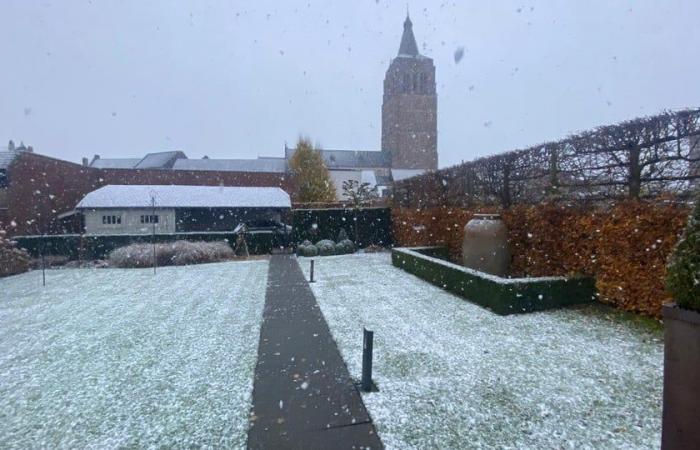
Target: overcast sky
[237,79]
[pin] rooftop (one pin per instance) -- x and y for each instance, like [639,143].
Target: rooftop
[351,159]
[171,196]
[277,165]
[115,163]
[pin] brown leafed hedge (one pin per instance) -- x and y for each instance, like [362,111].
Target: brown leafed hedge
[625,246]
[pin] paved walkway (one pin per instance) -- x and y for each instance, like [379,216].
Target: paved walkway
[303,396]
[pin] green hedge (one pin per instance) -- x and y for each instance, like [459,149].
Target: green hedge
[373,225]
[500,295]
[88,247]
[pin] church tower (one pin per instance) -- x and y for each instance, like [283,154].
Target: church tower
[409,110]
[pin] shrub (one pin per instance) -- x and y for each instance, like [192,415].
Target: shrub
[306,248]
[176,253]
[326,247]
[345,246]
[13,260]
[342,235]
[683,274]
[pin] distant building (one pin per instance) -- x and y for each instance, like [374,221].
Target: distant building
[409,134]
[122,209]
[409,110]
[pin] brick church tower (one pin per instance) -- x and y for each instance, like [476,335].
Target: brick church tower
[409,110]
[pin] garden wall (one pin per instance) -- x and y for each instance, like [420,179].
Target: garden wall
[624,246]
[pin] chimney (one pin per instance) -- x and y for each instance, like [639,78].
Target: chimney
[85,162]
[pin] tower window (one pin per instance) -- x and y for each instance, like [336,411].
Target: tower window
[406,83]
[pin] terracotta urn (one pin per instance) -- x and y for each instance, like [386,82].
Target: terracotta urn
[485,246]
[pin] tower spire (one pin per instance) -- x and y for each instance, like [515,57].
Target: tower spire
[408,45]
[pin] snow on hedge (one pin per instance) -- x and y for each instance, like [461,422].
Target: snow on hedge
[454,375]
[123,358]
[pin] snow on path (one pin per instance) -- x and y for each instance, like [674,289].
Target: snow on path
[454,375]
[123,358]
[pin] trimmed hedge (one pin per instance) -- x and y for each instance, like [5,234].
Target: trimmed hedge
[624,247]
[373,225]
[91,247]
[500,295]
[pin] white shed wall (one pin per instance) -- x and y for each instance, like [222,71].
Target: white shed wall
[131,221]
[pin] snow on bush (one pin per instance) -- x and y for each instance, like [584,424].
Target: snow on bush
[683,280]
[178,253]
[345,246]
[13,260]
[306,248]
[326,247]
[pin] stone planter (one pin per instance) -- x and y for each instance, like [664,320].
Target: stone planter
[681,410]
[485,245]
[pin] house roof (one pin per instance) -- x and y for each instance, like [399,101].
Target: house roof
[160,160]
[6,157]
[115,163]
[351,159]
[171,196]
[277,165]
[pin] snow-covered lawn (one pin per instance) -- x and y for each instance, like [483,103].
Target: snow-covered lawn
[123,358]
[454,375]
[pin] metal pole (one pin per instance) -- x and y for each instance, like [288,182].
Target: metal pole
[311,279]
[153,236]
[43,260]
[367,348]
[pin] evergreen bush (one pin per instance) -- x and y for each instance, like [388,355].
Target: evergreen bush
[326,247]
[683,275]
[345,246]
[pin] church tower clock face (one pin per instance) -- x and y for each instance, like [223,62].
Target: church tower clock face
[409,109]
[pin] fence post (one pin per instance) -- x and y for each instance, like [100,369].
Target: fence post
[367,348]
[43,260]
[311,278]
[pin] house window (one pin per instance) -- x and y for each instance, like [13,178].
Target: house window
[112,220]
[150,219]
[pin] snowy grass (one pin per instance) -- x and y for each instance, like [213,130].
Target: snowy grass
[123,358]
[454,375]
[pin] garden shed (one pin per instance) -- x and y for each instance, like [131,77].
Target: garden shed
[141,209]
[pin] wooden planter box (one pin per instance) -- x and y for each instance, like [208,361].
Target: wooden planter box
[681,411]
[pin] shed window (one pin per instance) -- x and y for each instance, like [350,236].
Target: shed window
[112,220]
[150,218]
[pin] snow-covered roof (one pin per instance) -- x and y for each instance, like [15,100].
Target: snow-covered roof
[160,160]
[115,163]
[276,165]
[170,196]
[6,158]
